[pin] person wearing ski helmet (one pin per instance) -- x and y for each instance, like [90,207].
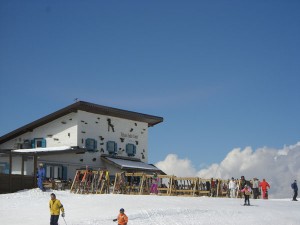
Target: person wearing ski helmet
[122,218]
[55,208]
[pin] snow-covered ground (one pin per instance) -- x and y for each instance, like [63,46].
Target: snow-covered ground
[31,207]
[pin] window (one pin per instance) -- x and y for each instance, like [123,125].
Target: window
[38,143]
[26,144]
[4,168]
[130,149]
[111,147]
[91,144]
[56,171]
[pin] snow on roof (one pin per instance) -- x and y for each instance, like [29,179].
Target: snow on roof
[132,164]
[49,149]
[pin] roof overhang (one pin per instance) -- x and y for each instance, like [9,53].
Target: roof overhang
[45,151]
[131,165]
[87,107]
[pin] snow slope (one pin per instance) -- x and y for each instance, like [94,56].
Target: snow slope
[31,207]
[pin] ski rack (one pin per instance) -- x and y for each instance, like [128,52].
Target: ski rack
[166,183]
[140,183]
[98,182]
[130,183]
[203,187]
[90,182]
[184,186]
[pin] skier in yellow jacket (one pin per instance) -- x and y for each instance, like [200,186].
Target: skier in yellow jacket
[55,208]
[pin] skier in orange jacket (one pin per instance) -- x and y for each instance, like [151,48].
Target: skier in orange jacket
[122,218]
[264,187]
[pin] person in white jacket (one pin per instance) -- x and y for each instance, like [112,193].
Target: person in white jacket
[232,187]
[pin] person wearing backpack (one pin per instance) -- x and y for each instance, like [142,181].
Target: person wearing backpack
[247,192]
[295,188]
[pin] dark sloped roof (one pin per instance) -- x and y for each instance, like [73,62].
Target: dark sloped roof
[87,107]
[128,164]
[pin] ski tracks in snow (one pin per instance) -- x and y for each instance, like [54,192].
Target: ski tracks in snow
[166,216]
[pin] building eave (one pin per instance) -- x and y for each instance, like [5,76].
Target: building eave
[43,151]
[87,107]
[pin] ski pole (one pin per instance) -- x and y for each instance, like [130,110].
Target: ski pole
[65,221]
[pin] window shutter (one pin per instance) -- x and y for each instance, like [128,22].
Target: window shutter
[87,144]
[43,143]
[116,147]
[134,150]
[6,169]
[64,172]
[110,147]
[32,144]
[95,144]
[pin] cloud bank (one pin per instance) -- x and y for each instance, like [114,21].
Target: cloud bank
[280,167]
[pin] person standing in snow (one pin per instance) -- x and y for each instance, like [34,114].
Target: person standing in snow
[41,176]
[255,187]
[264,188]
[242,183]
[232,188]
[55,208]
[247,193]
[213,187]
[295,188]
[154,185]
[122,218]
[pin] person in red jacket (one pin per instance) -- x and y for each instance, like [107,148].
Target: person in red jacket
[122,218]
[264,185]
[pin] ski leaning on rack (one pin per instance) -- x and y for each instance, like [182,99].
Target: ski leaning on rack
[90,182]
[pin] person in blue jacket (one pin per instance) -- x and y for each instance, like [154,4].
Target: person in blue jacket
[295,188]
[41,176]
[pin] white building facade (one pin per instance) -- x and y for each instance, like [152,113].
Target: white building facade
[104,133]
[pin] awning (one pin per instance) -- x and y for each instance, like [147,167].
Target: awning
[125,164]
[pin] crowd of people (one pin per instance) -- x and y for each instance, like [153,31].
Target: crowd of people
[248,188]
[255,188]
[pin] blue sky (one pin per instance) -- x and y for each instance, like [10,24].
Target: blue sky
[223,74]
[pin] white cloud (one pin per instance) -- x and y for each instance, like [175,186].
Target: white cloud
[172,165]
[278,166]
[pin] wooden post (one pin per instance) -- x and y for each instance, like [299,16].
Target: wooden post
[35,171]
[116,180]
[10,171]
[75,179]
[22,172]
